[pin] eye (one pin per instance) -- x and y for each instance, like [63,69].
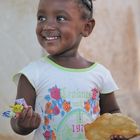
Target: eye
[61,18]
[41,18]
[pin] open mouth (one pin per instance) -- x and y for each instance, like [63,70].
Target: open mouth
[52,38]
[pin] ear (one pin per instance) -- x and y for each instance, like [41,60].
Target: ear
[88,27]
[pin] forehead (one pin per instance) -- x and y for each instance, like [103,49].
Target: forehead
[66,5]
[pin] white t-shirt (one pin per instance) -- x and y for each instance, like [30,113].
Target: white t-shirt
[66,98]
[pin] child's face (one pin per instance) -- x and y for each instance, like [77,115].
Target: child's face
[60,26]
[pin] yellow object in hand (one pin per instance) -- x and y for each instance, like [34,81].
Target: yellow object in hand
[17,108]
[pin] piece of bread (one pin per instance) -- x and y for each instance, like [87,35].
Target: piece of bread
[108,124]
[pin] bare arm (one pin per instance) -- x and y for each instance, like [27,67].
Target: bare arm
[108,103]
[28,119]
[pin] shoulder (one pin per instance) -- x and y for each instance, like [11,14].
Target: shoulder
[108,84]
[36,65]
[31,71]
[101,68]
[102,72]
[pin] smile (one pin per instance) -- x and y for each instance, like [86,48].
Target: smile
[52,38]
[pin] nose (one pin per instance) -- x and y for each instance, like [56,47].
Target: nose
[49,25]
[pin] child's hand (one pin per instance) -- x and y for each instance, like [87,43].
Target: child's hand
[117,137]
[28,119]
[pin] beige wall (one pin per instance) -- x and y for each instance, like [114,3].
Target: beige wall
[115,42]
[18,46]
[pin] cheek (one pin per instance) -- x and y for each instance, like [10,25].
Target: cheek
[38,30]
[71,35]
[38,34]
[68,33]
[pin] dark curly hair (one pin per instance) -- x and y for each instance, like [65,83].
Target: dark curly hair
[88,5]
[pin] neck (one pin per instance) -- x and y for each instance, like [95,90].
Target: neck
[73,61]
[62,57]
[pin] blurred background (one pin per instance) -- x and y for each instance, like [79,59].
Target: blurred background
[115,42]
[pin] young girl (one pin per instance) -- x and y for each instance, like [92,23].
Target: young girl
[64,91]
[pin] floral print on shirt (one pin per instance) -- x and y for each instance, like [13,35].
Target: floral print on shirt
[56,105]
[92,104]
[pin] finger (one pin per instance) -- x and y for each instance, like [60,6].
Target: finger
[114,137]
[122,138]
[24,114]
[28,117]
[36,120]
[118,137]
[29,112]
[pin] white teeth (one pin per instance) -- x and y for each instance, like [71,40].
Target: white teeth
[51,38]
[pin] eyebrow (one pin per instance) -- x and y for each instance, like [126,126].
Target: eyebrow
[61,11]
[41,11]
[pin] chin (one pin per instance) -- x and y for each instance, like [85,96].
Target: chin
[51,52]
